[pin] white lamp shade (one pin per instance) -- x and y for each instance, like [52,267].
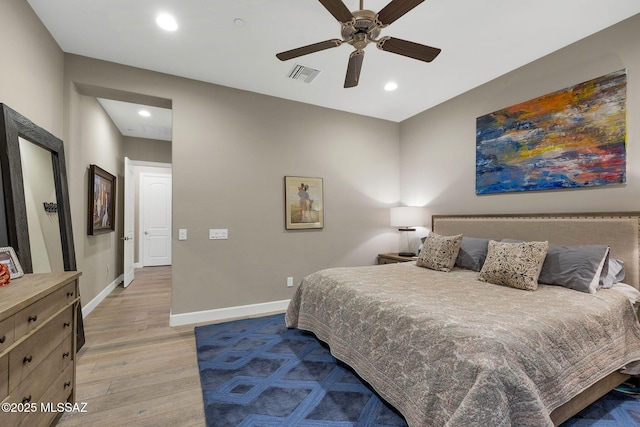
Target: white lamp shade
[407,216]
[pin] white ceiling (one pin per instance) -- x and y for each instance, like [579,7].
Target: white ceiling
[126,116]
[480,40]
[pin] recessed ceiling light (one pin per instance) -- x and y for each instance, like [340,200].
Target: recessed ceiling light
[144,113]
[238,22]
[167,22]
[391,86]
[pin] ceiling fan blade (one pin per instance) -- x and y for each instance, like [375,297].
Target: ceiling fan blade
[396,9]
[410,49]
[305,50]
[338,9]
[353,68]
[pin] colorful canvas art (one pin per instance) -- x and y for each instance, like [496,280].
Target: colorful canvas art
[572,138]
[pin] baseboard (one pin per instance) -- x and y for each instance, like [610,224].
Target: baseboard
[88,308]
[137,265]
[228,313]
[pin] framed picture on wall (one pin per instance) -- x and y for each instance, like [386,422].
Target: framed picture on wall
[304,202]
[102,201]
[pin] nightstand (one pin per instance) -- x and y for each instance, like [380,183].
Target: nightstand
[393,258]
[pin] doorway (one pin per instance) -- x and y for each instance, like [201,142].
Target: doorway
[158,198]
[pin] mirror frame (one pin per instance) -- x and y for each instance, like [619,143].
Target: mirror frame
[12,126]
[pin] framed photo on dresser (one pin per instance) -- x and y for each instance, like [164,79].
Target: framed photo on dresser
[10,259]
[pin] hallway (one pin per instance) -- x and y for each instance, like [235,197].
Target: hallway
[134,370]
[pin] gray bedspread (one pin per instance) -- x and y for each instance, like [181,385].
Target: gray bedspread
[448,350]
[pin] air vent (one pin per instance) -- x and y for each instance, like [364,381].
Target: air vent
[300,72]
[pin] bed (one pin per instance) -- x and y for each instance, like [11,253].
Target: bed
[447,349]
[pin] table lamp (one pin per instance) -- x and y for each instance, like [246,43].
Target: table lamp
[407,217]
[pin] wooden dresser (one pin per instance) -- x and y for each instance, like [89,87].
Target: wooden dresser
[37,348]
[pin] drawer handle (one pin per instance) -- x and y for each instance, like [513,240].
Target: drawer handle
[27,359]
[65,354]
[67,384]
[3,339]
[66,324]
[26,399]
[69,294]
[33,318]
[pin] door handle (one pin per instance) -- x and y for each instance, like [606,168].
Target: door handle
[127,238]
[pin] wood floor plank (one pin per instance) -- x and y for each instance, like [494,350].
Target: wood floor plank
[134,369]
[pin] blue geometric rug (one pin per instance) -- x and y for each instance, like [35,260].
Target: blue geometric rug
[256,372]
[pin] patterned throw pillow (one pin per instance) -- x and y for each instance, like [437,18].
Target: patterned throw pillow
[514,264]
[439,252]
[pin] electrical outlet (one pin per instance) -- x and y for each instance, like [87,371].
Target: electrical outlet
[218,233]
[289,282]
[182,234]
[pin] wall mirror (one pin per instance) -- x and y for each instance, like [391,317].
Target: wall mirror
[34,172]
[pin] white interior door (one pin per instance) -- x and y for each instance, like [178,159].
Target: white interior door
[129,199]
[156,219]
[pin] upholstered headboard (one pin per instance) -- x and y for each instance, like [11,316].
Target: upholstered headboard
[618,230]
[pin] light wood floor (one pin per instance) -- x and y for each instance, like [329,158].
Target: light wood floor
[134,370]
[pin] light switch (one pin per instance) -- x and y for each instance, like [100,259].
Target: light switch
[218,233]
[182,234]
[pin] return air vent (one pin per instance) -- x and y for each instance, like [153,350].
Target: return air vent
[306,74]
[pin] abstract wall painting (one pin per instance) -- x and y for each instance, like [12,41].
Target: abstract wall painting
[571,138]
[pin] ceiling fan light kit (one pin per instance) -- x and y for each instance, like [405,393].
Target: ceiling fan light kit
[361,27]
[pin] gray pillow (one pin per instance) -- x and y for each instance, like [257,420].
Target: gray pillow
[473,252]
[614,275]
[575,267]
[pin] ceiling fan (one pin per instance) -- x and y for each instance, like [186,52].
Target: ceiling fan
[361,27]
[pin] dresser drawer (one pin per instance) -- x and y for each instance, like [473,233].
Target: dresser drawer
[37,313]
[62,387]
[27,356]
[66,351]
[34,386]
[58,392]
[7,333]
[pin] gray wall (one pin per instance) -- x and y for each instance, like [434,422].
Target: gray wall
[438,146]
[150,150]
[32,68]
[93,139]
[230,152]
